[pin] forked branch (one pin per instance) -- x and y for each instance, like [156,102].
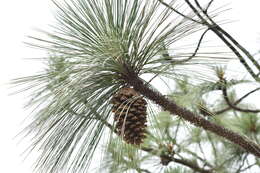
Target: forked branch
[232,105]
[205,19]
[236,102]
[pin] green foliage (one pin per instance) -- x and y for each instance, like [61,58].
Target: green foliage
[90,45]
[177,170]
[187,94]
[197,145]
[93,44]
[122,157]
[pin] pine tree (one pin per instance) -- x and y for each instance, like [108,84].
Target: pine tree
[107,63]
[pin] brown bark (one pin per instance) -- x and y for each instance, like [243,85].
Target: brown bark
[169,105]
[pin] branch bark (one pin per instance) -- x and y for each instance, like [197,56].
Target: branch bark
[169,105]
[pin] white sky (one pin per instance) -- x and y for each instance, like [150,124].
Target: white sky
[18,18]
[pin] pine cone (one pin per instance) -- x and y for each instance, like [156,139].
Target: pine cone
[130,115]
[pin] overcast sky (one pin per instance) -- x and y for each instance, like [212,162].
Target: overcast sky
[18,18]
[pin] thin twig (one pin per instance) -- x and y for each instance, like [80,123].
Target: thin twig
[196,50]
[97,117]
[242,164]
[240,47]
[220,33]
[225,161]
[176,11]
[175,62]
[248,167]
[195,155]
[201,150]
[182,161]
[191,165]
[209,4]
[198,5]
[215,28]
[212,145]
[236,102]
[230,104]
[229,37]
[143,170]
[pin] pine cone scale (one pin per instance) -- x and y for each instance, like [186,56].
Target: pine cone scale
[130,115]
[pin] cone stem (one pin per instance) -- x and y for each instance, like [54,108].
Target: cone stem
[169,105]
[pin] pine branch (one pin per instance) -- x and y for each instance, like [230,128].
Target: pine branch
[230,104]
[196,156]
[220,32]
[242,164]
[209,4]
[149,150]
[248,167]
[181,14]
[169,105]
[144,170]
[175,62]
[236,102]
[229,37]
[193,54]
[184,162]
[98,42]
[192,165]
[215,28]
